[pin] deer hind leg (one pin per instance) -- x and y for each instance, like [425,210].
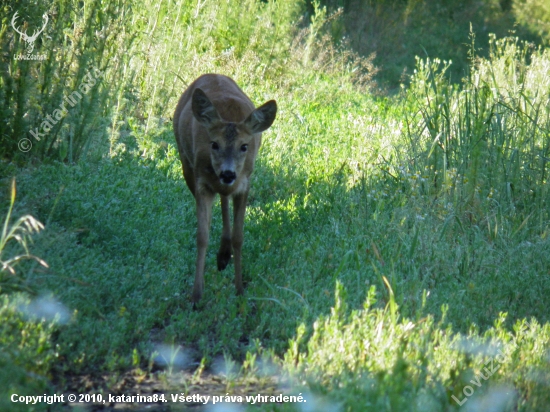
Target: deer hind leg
[239,209]
[224,254]
[204,217]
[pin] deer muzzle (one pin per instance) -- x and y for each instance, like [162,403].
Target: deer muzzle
[228,177]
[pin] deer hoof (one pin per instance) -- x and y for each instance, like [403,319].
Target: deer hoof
[223,259]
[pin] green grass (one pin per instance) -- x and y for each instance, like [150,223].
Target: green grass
[395,247]
[396,32]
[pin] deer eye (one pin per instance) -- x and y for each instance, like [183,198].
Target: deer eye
[244,148]
[214,146]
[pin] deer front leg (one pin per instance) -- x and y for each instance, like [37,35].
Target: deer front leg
[239,209]
[204,216]
[224,254]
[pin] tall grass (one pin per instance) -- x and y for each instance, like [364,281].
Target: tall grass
[483,149]
[19,233]
[396,30]
[256,43]
[26,349]
[186,39]
[80,39]
[147,52]
[141,57]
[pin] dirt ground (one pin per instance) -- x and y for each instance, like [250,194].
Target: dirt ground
[158,383]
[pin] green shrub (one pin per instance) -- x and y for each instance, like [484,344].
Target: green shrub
[375,359]
[26,354]
[59,99]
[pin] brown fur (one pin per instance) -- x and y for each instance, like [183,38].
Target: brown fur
[218,132]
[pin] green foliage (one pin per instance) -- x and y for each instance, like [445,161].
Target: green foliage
[18,233]
[535,16]
[186,39]
[57,96]
[434,198]
[368,359]
[25,343]
[399,30]
[483,149]
[26,354]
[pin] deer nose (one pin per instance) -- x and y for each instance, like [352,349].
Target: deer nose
[228,177]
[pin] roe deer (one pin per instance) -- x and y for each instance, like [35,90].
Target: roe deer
[218,132]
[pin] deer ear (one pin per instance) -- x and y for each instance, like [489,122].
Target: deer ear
[203,109]
[262,118]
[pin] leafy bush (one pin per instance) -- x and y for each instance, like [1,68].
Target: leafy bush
[375,359]
[56,97]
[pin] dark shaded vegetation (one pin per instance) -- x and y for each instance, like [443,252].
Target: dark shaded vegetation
[398,30]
